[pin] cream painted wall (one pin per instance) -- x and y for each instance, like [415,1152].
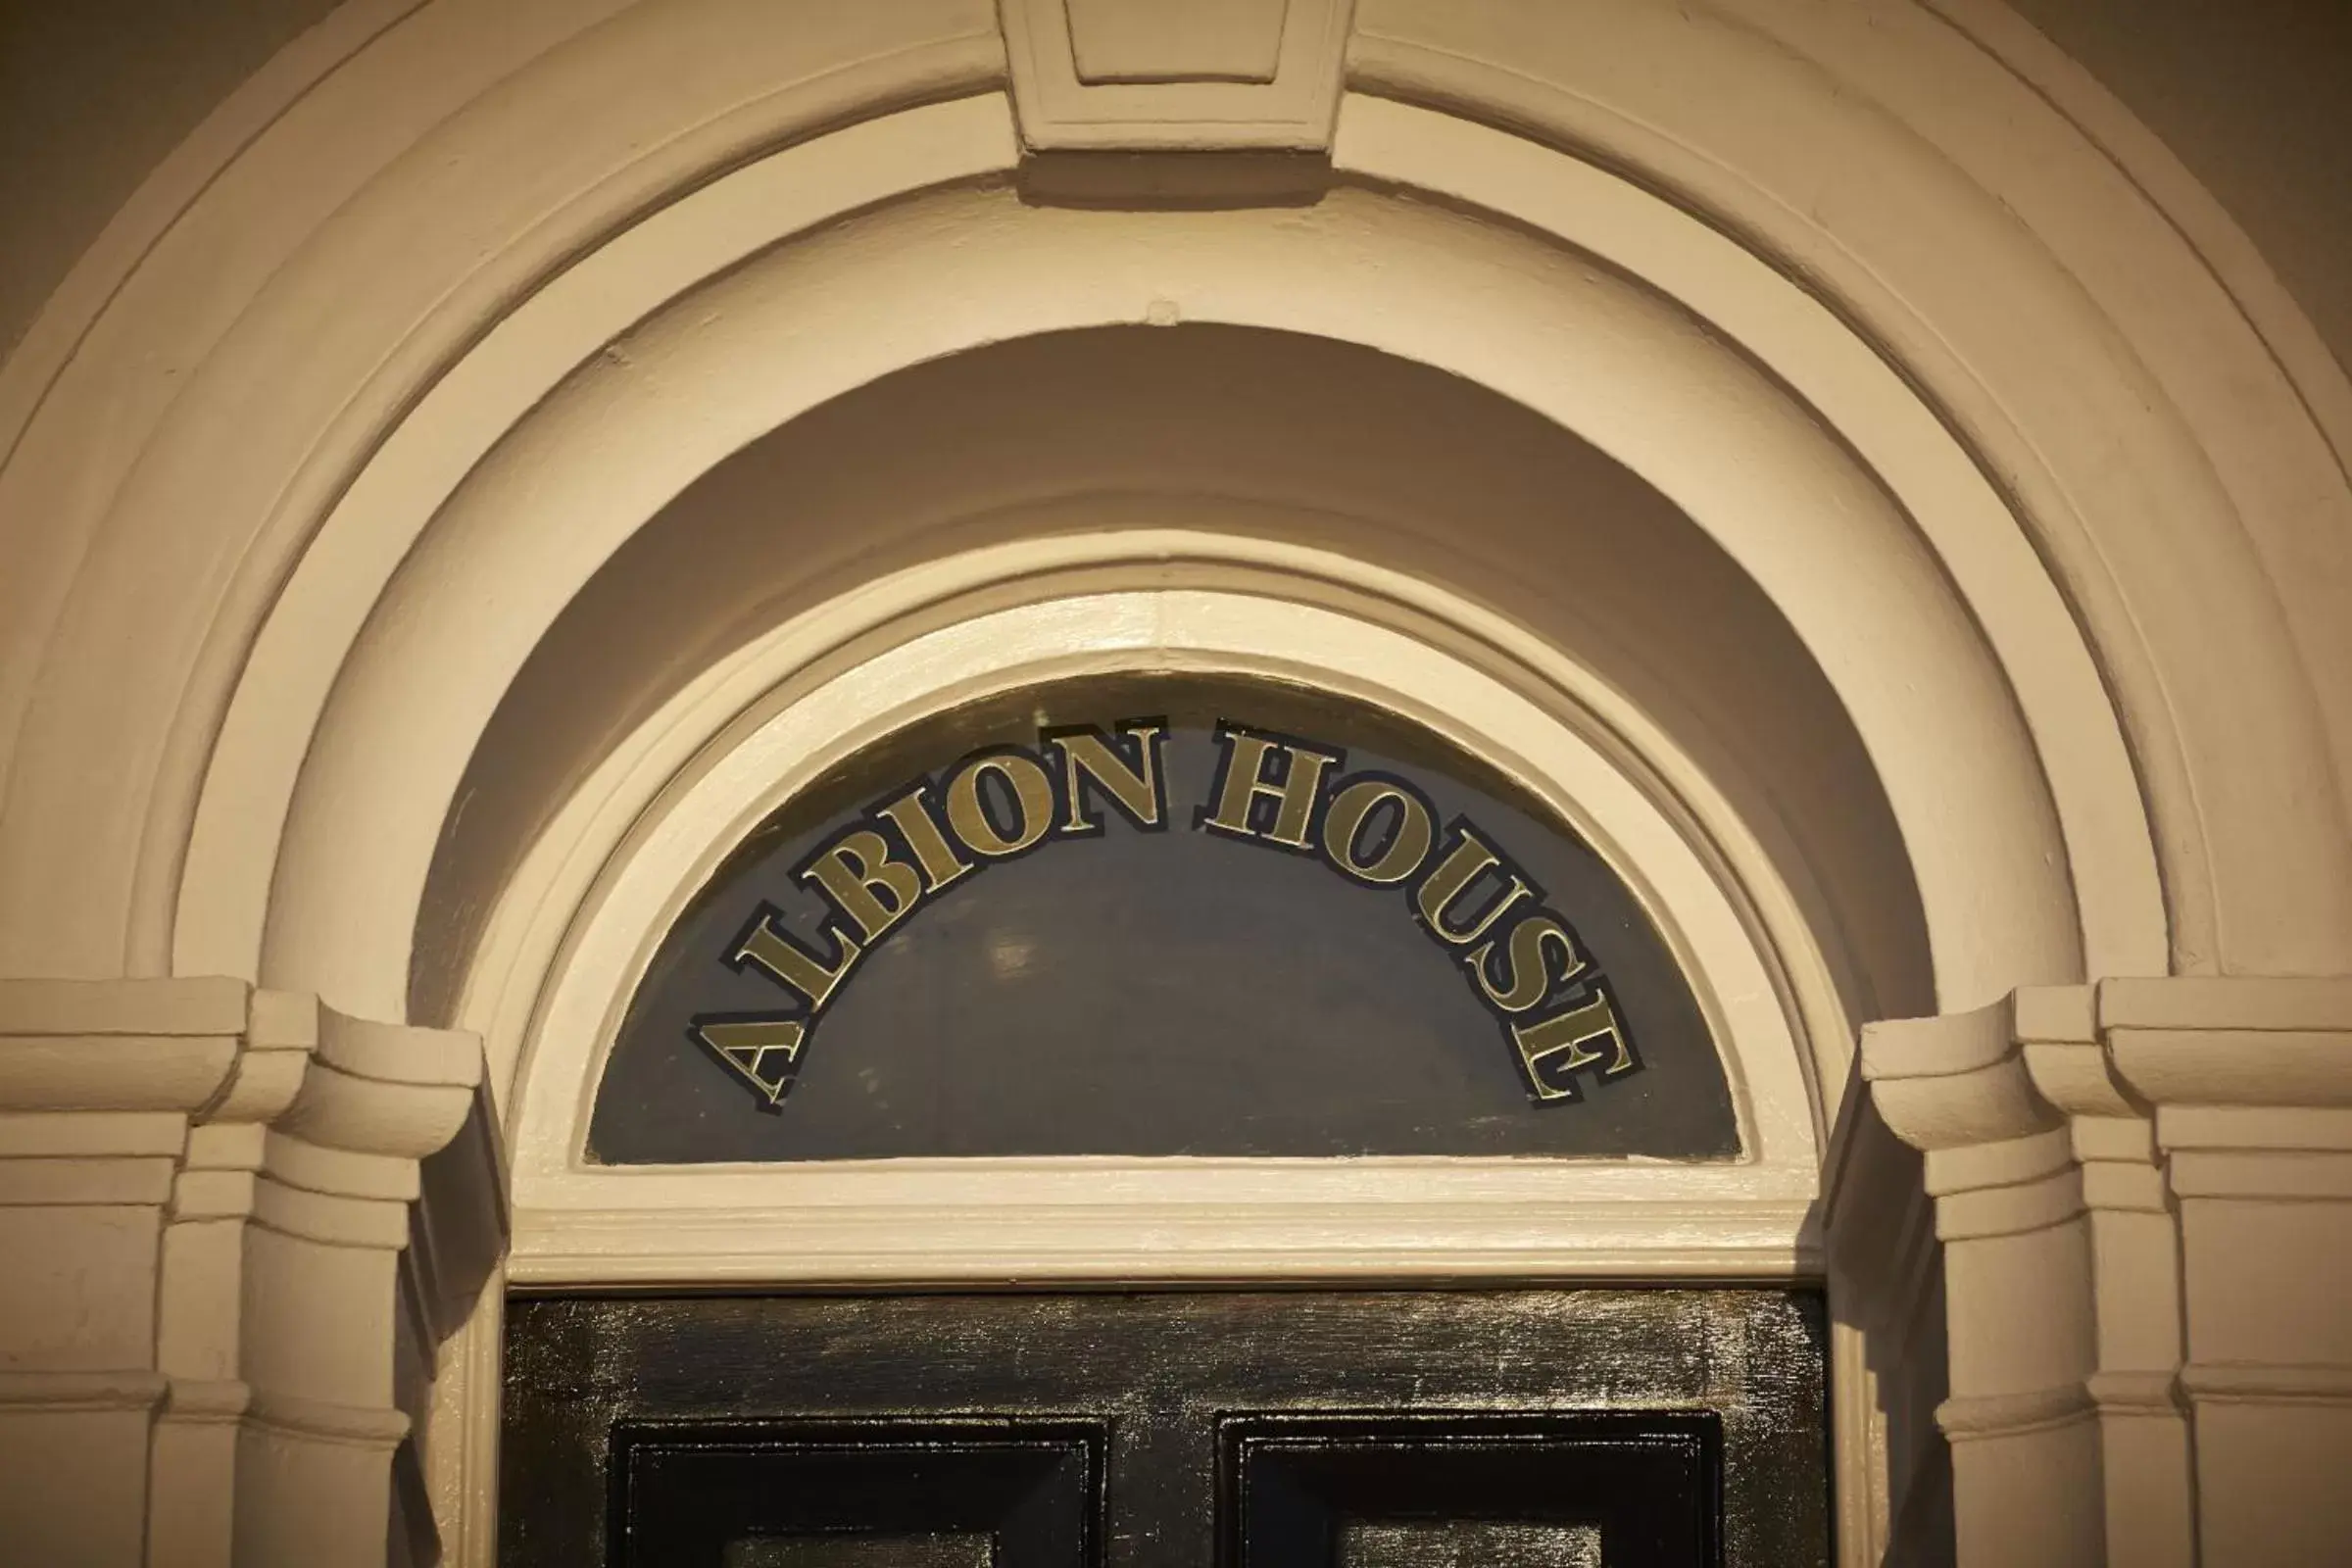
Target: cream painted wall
[1372,456]
[93,94]
[377,428]
[2256,97]
[2252,96]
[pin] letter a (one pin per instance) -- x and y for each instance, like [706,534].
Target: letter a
[764,1052]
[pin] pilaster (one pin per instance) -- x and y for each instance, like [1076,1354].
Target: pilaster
[2251,1083]
[1886,1278]
[2143,1195]
[240,1224]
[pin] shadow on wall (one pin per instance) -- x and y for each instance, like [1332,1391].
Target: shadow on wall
[1376,457]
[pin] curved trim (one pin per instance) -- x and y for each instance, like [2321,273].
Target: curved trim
[223,886]
[942,273]
[1946,497]
[1977,1417]
[1097,544]
[2052,106]
[1006,1219]
[357,1426]
[840,687]
[861,86]
[2321,385]
[173,187]
[457,175]
[2056,320]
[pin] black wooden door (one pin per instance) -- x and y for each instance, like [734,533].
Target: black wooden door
[1504,1428]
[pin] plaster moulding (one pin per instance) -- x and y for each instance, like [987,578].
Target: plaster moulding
[225,884]
[2006,262]
[2162,1168]
[2252,1060]
[218,1053]
[162,1137]
[450,150]
[1628,83]
[1127,75]
[1097,550]
[1003,1219]
[2045,342]
[2232,1042]
[415,684]
[89,1045]
[1940,489]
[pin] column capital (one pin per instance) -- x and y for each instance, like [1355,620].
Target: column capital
[2133,1182]
[2045,1056]
[119,1046]
[2245,1042]
[265,1184]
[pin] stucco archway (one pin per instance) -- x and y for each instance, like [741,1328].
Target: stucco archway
[323,465]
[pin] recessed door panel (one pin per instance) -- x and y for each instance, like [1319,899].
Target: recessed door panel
[1468,1544]
[1474,1487]
[961,1548]
[887,1493]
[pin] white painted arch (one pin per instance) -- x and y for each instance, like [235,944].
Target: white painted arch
[419,331]
[319,646]
[530,523]
[1377,142]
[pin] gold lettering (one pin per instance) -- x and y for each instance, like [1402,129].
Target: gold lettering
[1135,792]
[1552,1050]
[1463,865]
[1408,846]
[784,961]
[932,852]
[1531,977]
[746,1044]
[1245,780]
[1032,793]
[864,881]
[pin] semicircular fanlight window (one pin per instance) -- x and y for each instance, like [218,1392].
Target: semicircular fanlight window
[1161,915]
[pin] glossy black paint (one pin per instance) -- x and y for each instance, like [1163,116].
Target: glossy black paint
[1689,1425]
[1291,1486]
[699,1494]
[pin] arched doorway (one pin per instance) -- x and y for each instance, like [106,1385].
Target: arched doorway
[1972,457]
[1263,988]
[1404,570]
